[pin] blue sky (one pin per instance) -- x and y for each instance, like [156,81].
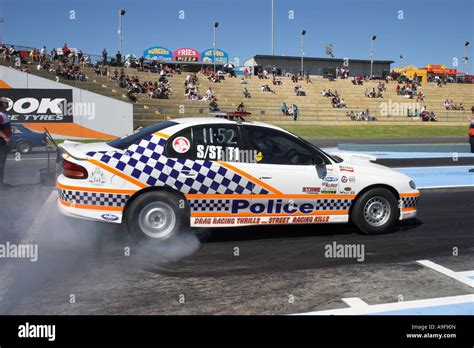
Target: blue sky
[431,31]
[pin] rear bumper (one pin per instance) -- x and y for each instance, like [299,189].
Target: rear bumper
[89,214]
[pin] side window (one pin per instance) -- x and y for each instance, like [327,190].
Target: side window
[276,147]
[218,142]
[180,145]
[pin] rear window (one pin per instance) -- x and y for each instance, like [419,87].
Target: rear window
[127,140]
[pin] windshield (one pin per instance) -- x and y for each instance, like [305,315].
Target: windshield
[129,139]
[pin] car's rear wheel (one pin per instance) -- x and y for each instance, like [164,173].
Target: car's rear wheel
[157,216]
[23,147]
[375,211]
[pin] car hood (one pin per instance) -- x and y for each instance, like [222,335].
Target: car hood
[364,165]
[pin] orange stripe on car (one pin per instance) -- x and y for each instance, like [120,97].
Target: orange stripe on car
[118,173]
[269,196]
[249,214]
[250,177]
[410,194]
[89,206]
[408,209]
[163,135]
[94,189]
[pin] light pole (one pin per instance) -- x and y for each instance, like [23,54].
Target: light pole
[216,24]
[371,54]
[120,32]
[303,33]
[466,58]
[273,27]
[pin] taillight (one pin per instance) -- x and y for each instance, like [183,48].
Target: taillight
[73,170]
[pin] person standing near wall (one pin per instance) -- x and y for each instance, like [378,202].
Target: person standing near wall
[5,135]
[471,133]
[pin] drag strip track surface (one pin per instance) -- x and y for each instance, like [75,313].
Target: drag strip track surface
[241,270]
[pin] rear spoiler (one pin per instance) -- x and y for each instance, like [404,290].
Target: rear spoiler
[70,148]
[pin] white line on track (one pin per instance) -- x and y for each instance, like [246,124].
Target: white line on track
[387,307]
[446,271]
[7,274]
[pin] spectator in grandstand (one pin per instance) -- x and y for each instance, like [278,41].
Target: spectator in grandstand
[266,88]
[118,58]
[246,93]
[131,96]
[241,107]
[294,111]
[66,50]
[104,56]
[420,96]
[307,79]
[284,109]
[470,132]
[300,92]
[213,106]
[447,104]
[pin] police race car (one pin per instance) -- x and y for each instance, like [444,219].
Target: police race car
[226,171]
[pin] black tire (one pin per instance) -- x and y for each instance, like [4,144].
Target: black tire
[369,206]
[152,209]
[23,147]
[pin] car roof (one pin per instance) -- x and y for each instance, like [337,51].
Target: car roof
[192,121]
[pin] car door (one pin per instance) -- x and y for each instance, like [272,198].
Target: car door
[296,172]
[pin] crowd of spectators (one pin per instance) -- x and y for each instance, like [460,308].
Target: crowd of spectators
[449,105]
[292,111]
[336,99]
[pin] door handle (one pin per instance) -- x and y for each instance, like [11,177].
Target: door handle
[265,177]
[188,173]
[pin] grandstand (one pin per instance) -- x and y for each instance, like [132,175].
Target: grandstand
[265,106]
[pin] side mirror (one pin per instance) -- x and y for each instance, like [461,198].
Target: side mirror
[318,161]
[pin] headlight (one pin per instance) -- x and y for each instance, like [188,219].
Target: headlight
[412,184]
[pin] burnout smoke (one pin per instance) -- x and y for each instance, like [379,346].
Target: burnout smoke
[68,249]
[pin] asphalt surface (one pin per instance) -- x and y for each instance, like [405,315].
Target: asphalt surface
[94,268]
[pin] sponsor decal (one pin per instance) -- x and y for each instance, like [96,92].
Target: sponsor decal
[344,179]
[346,169]
[352,179]
[329,184]
[312,190]
[109,217]
[181,145]
[259,157]
[97,177]
[38,105]
[328,191]
[347,188]
[330,179]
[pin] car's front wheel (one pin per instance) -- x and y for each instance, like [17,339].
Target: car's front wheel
[375,211]
[156,216]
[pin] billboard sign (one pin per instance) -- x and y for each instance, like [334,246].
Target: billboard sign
[39,105]
[222,57]
[158,53]
[186,55]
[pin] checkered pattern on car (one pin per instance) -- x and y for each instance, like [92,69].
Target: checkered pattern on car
[93,198]
[145,162]
[333,204]
[208,205]
[409,202]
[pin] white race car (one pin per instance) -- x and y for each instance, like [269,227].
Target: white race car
[226,171]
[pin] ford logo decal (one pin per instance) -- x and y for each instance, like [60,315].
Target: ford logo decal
[110,217]
[330,179]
